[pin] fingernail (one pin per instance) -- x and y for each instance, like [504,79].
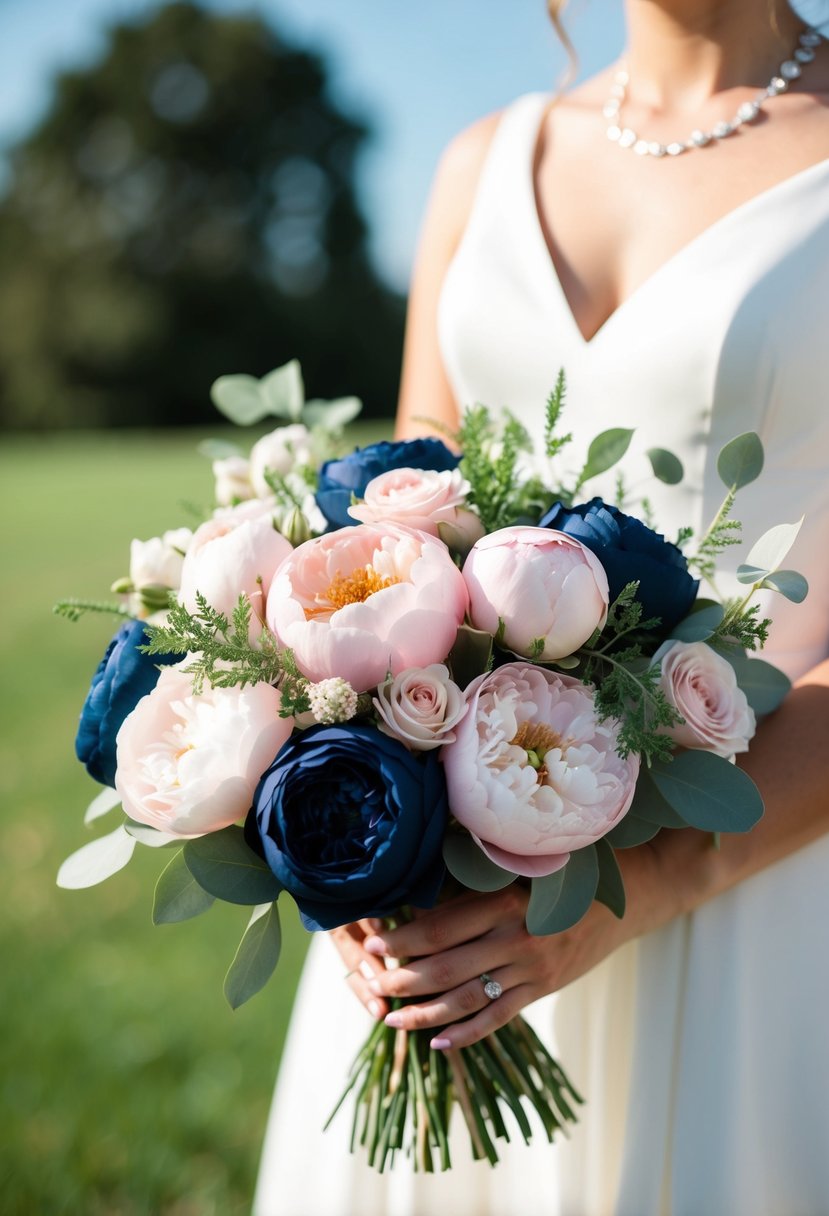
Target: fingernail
[374,985]
[374,945]
[366,970]
[395,1020]
[437,1044]
[374,1009]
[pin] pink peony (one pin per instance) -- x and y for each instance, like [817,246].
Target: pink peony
[422,499]
[189,764]
[364,601]
[548,590]
[702,685]
[533,774]
[420,707]
[234,553]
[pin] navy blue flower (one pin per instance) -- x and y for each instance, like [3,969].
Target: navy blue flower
[352,824]
[630,551]
[340,479]
[123,677]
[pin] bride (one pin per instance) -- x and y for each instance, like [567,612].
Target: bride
[683,283]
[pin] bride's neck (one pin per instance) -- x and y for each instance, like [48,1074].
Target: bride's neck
[681,52]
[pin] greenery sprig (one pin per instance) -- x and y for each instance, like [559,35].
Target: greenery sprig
[627,682]
[73,609]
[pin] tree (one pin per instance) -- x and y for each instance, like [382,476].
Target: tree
[187,209]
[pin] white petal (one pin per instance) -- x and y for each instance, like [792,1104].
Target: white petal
[105,802]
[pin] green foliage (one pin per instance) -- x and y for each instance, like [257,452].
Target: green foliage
[721,535]
[553,443]
[490,469]
[221,650]
[470,656]
[610,890]
[743,626]
[226,867]
[466,862]
[741,461]
[708,792]
[186,206]
[666,466]
[559,901]
[256,959]
[73,609]
[177,895]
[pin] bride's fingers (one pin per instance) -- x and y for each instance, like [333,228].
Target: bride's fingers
[360,968]
[462,1002]
[495,1015]
[448,925]
[446,971]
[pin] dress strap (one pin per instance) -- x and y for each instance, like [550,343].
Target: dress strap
[508,163]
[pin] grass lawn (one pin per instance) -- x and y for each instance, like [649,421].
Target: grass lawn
[128,1086]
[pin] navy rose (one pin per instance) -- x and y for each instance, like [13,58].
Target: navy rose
[339,480]
[352,824]
[630,551]
[123,677]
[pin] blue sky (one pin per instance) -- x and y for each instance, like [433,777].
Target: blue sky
[419,69]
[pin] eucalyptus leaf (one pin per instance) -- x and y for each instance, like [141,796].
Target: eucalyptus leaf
[649,804]
[96,861]
[218,449]
[570,663]
[773,546]
[666,467]
[239,399]
[224,864]
[105,802]
[256,957]
[610,890]
[558,905]
[631,832]
[470,654]
[331,415]
[741,461]
[750,574]
[764,685]
[699,626]
[708,792]
[283,392]
[606,450]
[789,583]
[178,896]
[471,866]
[151,837]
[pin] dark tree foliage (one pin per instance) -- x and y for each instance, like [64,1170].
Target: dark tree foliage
[187,209]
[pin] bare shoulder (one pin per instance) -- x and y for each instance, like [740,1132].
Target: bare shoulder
[459,170]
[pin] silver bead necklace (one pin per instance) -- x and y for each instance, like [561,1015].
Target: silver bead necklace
[626,137]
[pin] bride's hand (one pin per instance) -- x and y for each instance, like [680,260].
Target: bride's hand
[475,935]
[358,965]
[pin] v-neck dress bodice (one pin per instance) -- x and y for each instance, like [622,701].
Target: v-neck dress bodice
[703,1048]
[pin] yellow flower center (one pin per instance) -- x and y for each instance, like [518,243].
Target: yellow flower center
[354,588]
[536,738]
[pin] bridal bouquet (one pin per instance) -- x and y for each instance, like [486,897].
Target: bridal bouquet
[374,681]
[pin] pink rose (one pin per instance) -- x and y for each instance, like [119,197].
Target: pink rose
[701,684]
[549,591]
[420,706]
[364,601]
[533,774]
[189,764]
[422,499]
[234,553]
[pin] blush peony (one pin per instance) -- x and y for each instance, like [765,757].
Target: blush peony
[545,592]
[533,774]
[189,764]
[364,601]
[422,499]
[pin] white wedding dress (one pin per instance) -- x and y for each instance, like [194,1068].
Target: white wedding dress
[702,1049]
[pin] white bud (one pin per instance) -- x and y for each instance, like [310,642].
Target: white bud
[332,701]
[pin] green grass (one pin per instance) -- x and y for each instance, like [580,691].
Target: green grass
[128,1086]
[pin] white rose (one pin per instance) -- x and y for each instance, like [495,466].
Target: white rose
[279,452]
[157,562]
[420,706]
[232,480]
[702,686]
[190,764]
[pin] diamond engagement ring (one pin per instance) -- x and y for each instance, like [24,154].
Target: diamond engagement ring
[492,988]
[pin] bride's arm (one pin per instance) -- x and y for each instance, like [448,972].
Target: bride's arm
[673,874]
